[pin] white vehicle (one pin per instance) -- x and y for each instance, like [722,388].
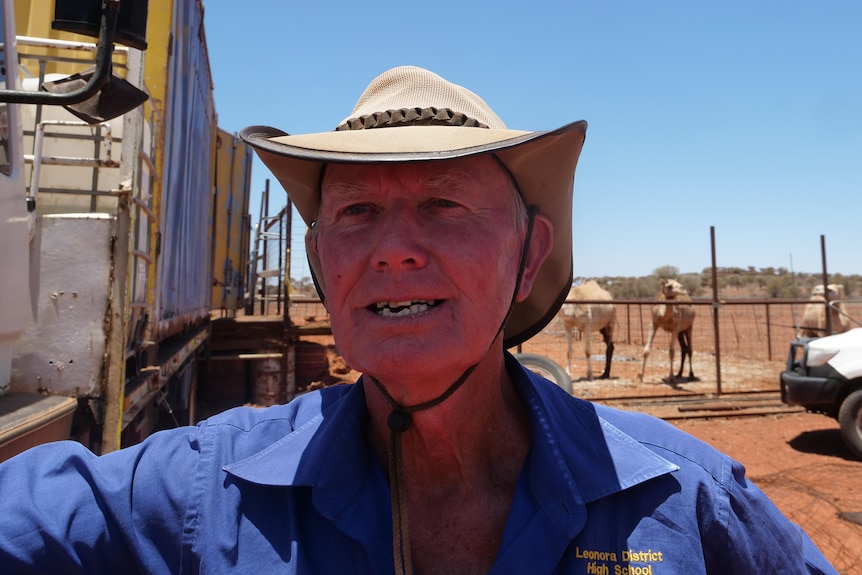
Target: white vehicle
[824,375]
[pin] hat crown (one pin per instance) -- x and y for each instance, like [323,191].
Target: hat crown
[411,87]
[421,104]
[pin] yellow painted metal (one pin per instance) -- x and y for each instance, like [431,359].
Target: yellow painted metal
[33,18]
[156,72]
[230,222]
[30,18]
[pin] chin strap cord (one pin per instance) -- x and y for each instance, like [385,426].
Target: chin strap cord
[399,421]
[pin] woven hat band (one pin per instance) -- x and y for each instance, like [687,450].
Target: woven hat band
[410,117]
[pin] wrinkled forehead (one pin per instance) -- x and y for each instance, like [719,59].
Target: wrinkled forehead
[481,171]
[481,179]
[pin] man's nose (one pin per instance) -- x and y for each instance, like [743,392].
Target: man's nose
[400,241]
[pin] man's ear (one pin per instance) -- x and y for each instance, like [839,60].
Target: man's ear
[311,240]
[313,254]
[541,242]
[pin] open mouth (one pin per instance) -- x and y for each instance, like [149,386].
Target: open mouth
[403,308]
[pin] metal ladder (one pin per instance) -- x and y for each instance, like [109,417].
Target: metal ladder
[261,268]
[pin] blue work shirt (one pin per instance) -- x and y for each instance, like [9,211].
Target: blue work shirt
[297,488]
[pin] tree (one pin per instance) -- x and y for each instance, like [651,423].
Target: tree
[782,286]
[666,272]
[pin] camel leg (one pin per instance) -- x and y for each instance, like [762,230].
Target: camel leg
[569,339]
[646,352]
[691,375]
[671,353]
[683,348]
[588,335]
[685,345]
[609,351]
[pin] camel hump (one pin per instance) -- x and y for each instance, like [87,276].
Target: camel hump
[589,290]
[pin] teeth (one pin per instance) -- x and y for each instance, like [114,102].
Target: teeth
[403,308]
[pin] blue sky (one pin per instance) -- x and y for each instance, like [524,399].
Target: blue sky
[743,115]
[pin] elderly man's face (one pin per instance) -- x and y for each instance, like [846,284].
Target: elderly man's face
[419,261]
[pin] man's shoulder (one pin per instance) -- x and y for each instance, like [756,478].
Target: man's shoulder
[568,412]
[621,427]
[667,440]
[657,435]
[299,411]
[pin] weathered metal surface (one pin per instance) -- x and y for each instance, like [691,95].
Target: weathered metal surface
[152,381]
[63,351]
[230,234]
[247,334]
[14,252]
[28,419]
[267,387]
[146,183]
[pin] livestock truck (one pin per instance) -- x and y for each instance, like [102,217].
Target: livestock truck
[118,235]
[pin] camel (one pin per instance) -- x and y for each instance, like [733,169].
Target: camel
[676,319]
[587,318]
[814,317]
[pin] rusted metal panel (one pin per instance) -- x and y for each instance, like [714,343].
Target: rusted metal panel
[63,351]
[267,387]
[30,419]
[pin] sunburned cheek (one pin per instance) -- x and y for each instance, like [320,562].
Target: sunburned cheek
[484,247]
[333,263]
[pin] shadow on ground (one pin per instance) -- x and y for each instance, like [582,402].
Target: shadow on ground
[822,442]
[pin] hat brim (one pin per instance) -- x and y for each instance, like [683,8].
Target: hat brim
[542,163]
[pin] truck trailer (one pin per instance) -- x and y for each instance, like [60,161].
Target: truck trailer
[118,236]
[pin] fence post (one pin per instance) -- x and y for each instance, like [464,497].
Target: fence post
[768,334]
[827,308]
[715,306]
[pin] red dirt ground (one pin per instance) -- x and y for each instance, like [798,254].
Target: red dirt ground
[801,463]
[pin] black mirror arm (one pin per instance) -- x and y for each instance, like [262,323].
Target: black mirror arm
[100,75]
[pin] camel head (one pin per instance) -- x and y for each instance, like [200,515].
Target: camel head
[836,291]
[672,289]
[833,291]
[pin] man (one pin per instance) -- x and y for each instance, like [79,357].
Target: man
[437,238]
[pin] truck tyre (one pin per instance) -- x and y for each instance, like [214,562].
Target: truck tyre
[850,419]
[548,369]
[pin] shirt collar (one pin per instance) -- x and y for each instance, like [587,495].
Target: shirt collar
[570,435]
[576,456]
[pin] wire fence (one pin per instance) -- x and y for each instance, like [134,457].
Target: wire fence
[737,346]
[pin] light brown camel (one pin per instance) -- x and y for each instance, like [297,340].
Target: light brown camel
[587,318]
[814,317]
[677,319]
